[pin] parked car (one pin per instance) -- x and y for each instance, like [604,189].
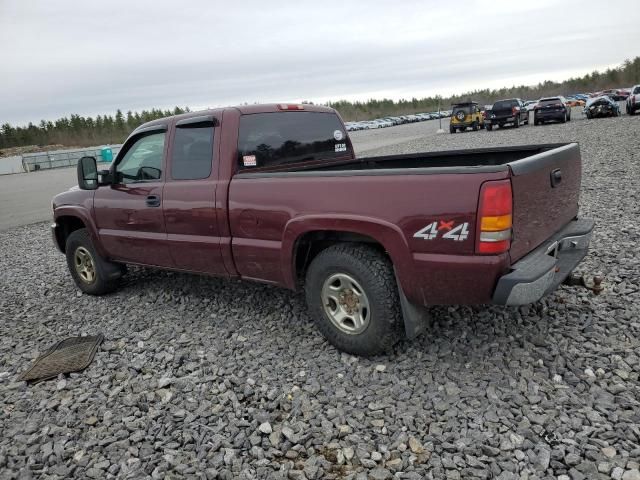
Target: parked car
[274,193]
[602,106]
[575,102]
[616,95]
[466,115]
[633,100]
[580,96]
[551,109]
[511,111]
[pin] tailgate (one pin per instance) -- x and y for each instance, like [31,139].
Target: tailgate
[546,189]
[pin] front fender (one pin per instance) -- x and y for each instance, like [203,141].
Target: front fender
[387,234]
[86,217]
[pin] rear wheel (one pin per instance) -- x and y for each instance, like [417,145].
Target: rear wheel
[489,127]
[474,126]
[91,273]
[353,298]
[564,119]
[516,123]
[452,130]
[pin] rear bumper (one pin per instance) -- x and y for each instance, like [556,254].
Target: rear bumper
[550,115]
[500,120]
[462,124]
[541,271]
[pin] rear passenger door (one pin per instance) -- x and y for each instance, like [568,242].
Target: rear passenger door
[190,196]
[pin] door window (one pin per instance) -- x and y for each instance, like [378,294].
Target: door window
[192,152]
[142,162]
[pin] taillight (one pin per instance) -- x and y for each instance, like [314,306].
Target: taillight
[514,110]
[495,211]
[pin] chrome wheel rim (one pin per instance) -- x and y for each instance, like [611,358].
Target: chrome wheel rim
[346,304]
[85,268]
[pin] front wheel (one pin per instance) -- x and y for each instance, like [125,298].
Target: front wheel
[91,273]
[452,130]
[489,127]
[353,299]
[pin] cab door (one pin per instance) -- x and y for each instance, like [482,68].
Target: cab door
[128,212]
[189,198]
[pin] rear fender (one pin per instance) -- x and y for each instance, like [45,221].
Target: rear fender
[386,234]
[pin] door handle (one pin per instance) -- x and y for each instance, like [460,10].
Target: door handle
[153,201]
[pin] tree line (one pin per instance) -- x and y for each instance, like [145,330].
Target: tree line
[625,75]
[79,131]
[104,129]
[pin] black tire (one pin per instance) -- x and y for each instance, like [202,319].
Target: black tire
[106,276]
[516,123]
[452,130]
[564,119]
[474,126]
[373,271]
[489,127]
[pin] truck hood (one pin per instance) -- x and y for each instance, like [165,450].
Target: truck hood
[73,196]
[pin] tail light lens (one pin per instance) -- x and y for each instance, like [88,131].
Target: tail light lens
[495,210]
[514,110]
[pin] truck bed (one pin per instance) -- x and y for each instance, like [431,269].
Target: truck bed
[452,161]
[408,192]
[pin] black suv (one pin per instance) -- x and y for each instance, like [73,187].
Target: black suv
[551,108]
[511,111]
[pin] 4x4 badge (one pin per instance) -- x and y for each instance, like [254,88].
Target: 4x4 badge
[458,233]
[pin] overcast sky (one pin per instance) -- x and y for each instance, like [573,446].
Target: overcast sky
[90,57]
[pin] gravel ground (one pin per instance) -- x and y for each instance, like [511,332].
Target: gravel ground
[207,378]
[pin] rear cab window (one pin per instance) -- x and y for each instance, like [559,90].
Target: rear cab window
[281,138]
[505,104]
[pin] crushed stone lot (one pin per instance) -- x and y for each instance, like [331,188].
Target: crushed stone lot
[206,378]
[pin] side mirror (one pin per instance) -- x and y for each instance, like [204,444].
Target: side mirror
[87,173]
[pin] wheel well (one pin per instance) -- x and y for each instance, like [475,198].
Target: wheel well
[66,225]
[312,243]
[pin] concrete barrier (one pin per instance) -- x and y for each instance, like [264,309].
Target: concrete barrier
[9,165]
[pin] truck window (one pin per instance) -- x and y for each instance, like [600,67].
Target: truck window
[192,152]
[268,139]
[143,160]
[505,104]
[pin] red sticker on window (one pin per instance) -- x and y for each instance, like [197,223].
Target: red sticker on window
[249,161]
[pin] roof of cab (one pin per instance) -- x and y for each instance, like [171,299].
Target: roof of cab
[243,109]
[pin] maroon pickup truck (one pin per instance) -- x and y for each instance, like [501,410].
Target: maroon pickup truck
[274,193]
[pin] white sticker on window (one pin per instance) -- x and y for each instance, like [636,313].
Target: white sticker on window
[338,135]
[341,147]
[249,161]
